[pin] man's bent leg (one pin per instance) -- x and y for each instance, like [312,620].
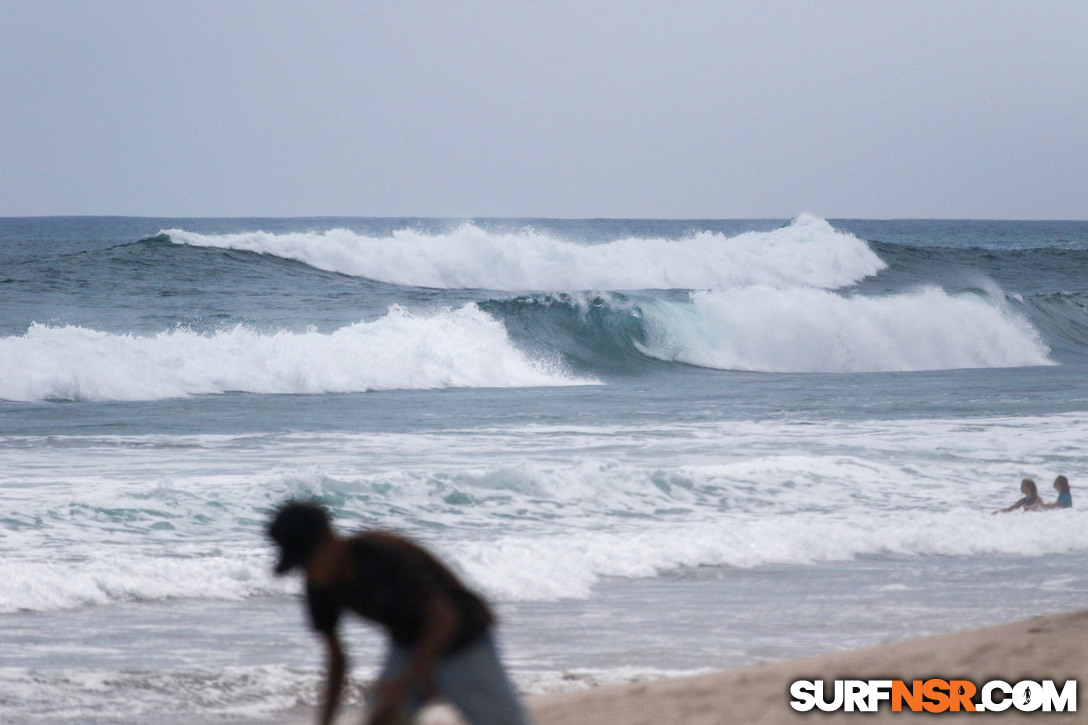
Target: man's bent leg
[473,680]
[396,660]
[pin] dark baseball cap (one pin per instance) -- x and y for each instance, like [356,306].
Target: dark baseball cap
[297,529]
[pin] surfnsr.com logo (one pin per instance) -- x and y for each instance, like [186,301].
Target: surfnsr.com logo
[933,695]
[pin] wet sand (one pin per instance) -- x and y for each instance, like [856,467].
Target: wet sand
[1053,647]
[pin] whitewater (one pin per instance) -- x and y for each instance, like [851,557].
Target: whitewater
[636,438]
[808,252]
[758,301]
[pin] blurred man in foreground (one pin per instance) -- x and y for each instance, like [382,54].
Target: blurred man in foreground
[440,631]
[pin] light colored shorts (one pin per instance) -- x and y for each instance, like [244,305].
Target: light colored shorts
[472,679]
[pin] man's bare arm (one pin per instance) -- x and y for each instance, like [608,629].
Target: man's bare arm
[334,683]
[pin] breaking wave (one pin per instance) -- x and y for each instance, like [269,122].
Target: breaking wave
[808,252]
[402,350]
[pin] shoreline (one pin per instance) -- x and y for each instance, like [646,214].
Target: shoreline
[1053,647]
[1050,647]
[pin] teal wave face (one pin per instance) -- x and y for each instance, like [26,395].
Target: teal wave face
[599,333]
[772,330]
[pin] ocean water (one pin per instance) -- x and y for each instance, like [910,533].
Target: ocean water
[659,447]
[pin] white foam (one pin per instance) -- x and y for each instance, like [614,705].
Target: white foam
[545,519]
[568,565]
[249,693]
[582,678]
[402,350]
[808,252]
[112,577]
[809,330]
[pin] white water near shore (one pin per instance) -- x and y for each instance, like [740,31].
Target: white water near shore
[534,513]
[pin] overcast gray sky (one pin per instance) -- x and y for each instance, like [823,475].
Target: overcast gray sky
[667,109]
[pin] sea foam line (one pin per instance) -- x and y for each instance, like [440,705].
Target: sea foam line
[568,563]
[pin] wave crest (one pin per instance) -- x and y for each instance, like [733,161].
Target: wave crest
[808,252]
[806,330]
[465,347]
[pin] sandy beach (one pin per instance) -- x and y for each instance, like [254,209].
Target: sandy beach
[1040,648]
[1053,647]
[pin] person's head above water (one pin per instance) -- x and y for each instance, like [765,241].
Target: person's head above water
[1028,488]
[297,529]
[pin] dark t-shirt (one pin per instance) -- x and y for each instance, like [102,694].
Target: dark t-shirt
[391,582]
